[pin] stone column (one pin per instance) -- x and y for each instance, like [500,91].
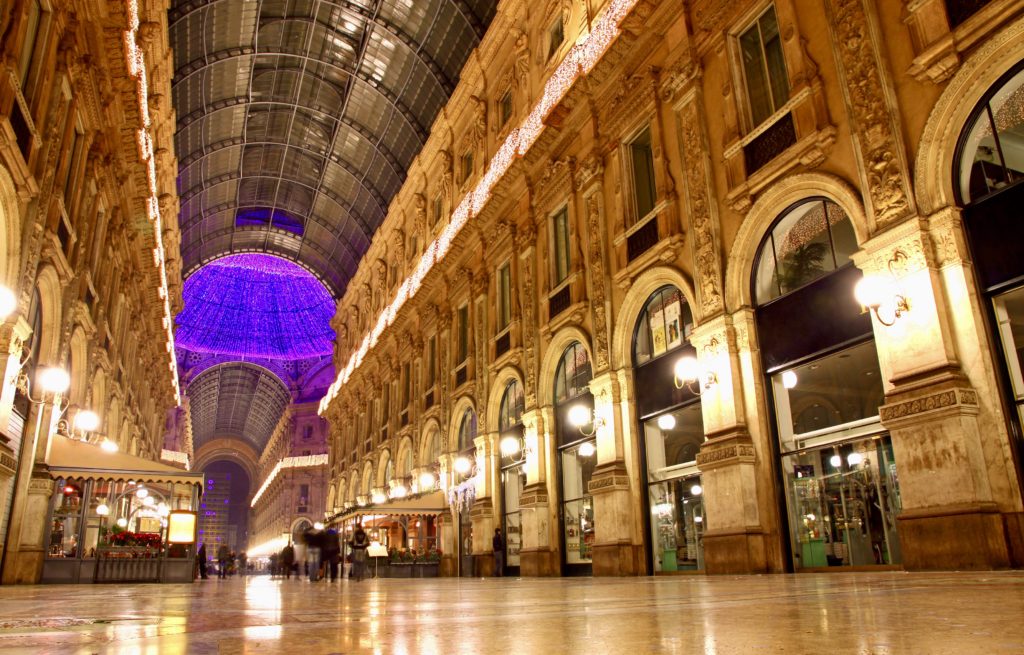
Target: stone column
[736,539]
[615,551]
[537,556]
[23,553]
[485,505]
[447,525]
[955,478]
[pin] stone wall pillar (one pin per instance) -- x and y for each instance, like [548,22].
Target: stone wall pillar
[538,556]
[956,485]
[485,506]
[736,540]
[616,551]
[447,524]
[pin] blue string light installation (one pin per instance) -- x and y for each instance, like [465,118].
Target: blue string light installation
[255,305]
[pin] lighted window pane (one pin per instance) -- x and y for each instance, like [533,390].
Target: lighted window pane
[642,160]
[764,67]
[561,246]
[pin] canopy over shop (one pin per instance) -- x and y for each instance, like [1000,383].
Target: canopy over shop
[116,517]
[405,525]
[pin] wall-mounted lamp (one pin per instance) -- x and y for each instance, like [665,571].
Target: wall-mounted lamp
[378,496]
[878,295]
[514,447]
[580,416]
[463,465]
[687,373]
[427,480]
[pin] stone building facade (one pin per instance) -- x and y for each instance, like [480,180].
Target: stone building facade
[642,330]
[88,241]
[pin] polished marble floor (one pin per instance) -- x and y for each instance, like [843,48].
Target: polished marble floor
[870,613]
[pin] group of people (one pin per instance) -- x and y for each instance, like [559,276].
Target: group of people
[317,554]
[227,562]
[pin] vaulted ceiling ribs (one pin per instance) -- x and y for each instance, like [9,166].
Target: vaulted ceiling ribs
[298,119]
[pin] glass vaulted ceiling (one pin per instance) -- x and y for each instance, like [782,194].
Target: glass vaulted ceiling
[298,119]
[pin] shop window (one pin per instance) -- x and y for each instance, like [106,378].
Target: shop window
[764,67]
[577,465]
[504,282]
[991,156]
[641,164]
[665,324]
[467,431]
[673,439]
[560,250]
[1009,309]
[839,391]
[556,36]
[572,379]
[677,524]
[512,407]
[513,481]
[505,108]
[810,240]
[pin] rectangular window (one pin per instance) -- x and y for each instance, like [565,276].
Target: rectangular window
[438,209]
[467,166]
[307,432]
[406,378]
[764,67]
[29,45]
[504,296]
[556,35]
[74,152]
[505,108]
[303,495]
[641,159]
[463,327]
[385,404]
[560,249]
[431,362]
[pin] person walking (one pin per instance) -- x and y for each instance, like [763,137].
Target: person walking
[287,560]
[223,555]
[301,550]
[498,544]
[273,565]
[243,561]
[314,550]
[332,552]
[201,559]
[360,542]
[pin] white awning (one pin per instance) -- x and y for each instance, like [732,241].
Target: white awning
[432,504]
[76,459]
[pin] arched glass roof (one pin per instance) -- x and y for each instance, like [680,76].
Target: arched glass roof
[298,119]
[255,305]
[236,400]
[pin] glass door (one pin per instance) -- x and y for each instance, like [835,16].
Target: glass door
[577,464]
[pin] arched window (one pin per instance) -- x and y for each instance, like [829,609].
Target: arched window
[407,463]
[573,375]
[810,239]
[664,325]
[467,430]
[389,471]
[368,480]
[990,156]
[432,448]
[512,406]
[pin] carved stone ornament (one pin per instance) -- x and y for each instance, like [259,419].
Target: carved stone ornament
[707,273]
[589,170]
[934,402]
[521,70]
[528,301]
[875,132]
[599,283]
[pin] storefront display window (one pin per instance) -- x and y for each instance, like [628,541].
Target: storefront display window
[1009,308]
[66,519]
[513,480]
[843,502]
[991,158]
[677,524]
[673,439]
[810,240]
[664,325]
[578,464]
[840,391]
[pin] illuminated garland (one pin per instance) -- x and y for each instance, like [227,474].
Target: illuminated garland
[175,457]
[137,69]
[580,60]
[302,461]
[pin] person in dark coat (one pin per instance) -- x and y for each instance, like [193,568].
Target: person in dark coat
[223,559]
[201,558]
[288,559]
[360,542]
[332,552]
[498,545]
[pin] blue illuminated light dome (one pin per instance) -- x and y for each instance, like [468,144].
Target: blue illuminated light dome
[255,305]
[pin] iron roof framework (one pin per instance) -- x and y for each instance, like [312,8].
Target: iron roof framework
[236,400]
[298,119]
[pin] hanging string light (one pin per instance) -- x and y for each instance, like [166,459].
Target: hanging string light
[136,61]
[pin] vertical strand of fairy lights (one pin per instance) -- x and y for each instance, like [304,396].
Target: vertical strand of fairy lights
[136,60]
[580,60]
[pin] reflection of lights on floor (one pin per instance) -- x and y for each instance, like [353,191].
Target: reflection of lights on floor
[262,631]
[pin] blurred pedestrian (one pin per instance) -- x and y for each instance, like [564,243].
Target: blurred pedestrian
[287,559]
[223,556]
[332,552]
[273,564]
[243,562]
[360,542]
[498,544]
[314,543]
[201,558]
